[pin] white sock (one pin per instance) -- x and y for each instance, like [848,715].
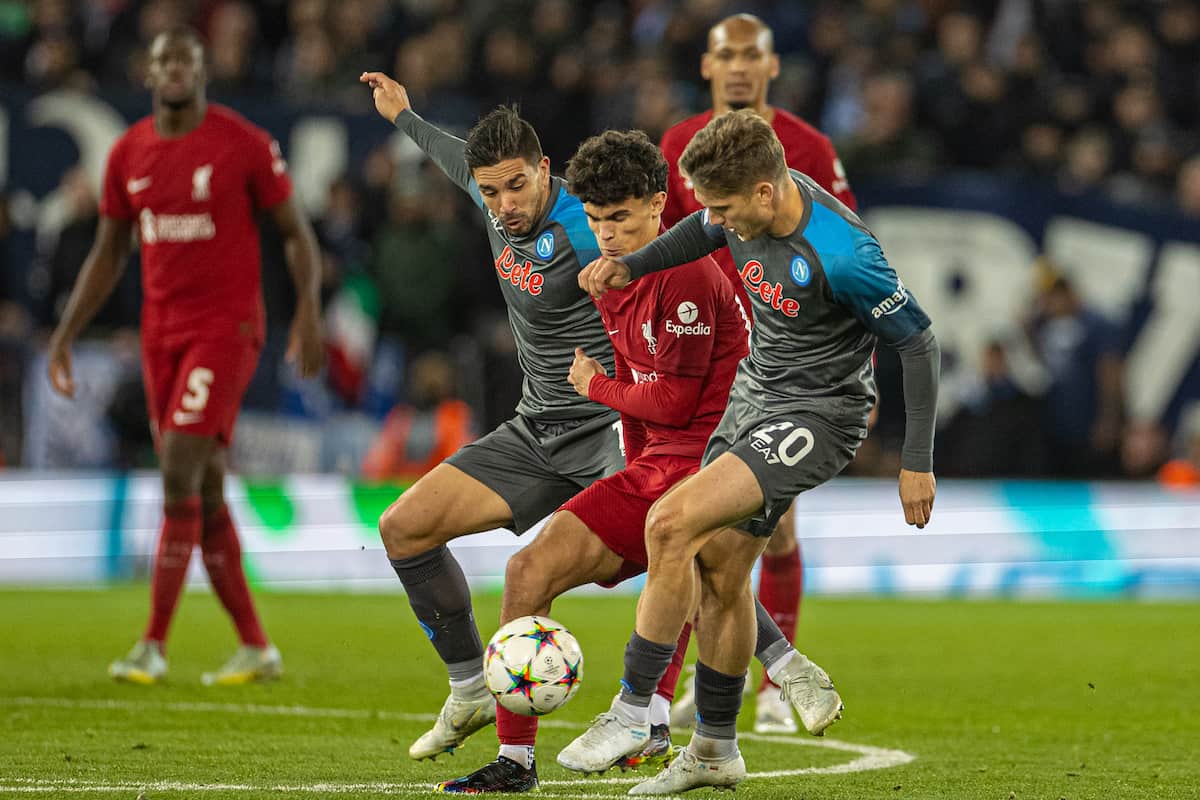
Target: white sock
[706,748]
[660,710]
[472,688]
[775,668]
[631,714]
[520,753]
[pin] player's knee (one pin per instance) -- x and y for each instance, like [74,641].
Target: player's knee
[401,539]
[527,584]
[667,534]
[180,480]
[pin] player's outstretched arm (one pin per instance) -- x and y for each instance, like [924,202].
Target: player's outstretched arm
[305,347]
[391,101]
[98,277]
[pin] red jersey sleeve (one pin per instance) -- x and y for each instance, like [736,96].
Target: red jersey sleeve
[269,182]
[675,209]
[114,197]
[826,169]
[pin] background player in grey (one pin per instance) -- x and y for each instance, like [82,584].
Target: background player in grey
[822,293]
[557,444]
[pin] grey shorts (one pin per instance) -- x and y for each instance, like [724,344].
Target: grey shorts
[789,452]
[537,466]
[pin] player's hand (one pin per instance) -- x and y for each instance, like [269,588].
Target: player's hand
[390,97]
[59,367]
[306,348]
[583,370]
[604,274]
[916,495]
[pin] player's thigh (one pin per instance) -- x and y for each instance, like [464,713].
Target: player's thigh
[212,485]
[444,504]
[183,458]
[783,538]
[721,494]
[566,553]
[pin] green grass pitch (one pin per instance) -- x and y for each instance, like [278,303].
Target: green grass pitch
[991,699]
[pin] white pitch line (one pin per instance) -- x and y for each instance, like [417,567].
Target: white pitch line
[869,756]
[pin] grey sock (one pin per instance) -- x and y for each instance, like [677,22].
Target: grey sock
[718,700]
[772,644]
[645,664]
[439,596]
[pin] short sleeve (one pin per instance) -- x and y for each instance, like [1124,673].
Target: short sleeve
[687,323]
[865,282]
[269,182]
[114,198]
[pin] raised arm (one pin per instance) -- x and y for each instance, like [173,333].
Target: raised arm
[101,271]
[305,348]
[391,101]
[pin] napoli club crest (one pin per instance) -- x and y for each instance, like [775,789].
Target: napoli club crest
[801,271]
[545,245]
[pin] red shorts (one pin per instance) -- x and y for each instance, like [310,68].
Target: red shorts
[615,507]
[196,386]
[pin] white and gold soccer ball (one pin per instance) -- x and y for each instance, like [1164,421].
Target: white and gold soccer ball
[533,666]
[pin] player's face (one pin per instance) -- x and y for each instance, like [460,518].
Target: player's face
[176,70]
[746,215]
[739,65]
[515,192]
[621,228]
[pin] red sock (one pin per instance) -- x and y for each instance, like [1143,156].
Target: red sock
[779,586]
[670,678]
[223,560]
[515,728]
[179,536]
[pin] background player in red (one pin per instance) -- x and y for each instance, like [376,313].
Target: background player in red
[677,341]
[739,66]
[189,179]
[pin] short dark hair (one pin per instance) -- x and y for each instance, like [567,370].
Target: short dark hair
[502,135]
[185,32]
[615,166]
[732,153]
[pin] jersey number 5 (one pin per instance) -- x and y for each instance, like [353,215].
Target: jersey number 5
[196,397]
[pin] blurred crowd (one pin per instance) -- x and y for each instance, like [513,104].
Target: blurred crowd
[1099,97]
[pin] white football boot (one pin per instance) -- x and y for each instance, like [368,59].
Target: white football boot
[772,712]
[145,664]
[689,771]
[457,720]
[808,688]
[608,741]
[247,665]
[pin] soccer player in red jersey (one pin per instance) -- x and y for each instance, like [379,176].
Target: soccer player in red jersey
[677,341]
[188,179]
[739,66]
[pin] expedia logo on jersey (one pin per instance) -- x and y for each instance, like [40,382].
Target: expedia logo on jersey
[753,275]
[687,313]
[175,227]
[892,303]
[522,277]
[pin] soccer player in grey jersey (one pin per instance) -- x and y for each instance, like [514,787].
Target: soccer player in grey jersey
[557,444]
[822,293]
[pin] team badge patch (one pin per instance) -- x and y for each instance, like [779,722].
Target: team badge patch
[801,271]
[545,245]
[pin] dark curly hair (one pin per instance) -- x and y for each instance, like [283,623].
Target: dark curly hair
[616,165]
[500,135]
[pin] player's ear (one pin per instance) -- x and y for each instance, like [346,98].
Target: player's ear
[706,66]
[774,73]
[544,167]
[764,192]
[657,203]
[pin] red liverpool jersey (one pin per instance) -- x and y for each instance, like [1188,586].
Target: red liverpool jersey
[805,148]
[192,199]
[681,323]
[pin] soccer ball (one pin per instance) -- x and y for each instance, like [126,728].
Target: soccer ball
[533,666]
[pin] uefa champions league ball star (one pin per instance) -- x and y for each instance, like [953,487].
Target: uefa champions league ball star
[533,666]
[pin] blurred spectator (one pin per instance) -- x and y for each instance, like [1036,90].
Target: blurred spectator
[1183,472]
[419,435]
[14,330]
[888,142]
[1081,410]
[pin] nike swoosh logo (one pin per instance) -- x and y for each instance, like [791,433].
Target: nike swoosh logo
[136,185]
[186,417]
[613,332]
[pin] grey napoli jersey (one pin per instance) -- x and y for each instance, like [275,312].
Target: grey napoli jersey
[821,296]
[538,273]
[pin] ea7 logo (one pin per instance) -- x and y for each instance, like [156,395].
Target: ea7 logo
[200,180]
[782,442]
